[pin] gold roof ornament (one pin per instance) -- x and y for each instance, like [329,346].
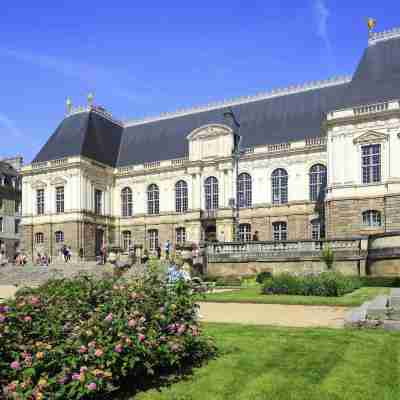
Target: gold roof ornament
[69,105]
[371,24]
[90,99]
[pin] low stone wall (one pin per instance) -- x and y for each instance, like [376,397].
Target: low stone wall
[384,255]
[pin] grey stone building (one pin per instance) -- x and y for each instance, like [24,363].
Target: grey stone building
[10,206]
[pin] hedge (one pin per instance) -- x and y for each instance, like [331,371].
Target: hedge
[83,337]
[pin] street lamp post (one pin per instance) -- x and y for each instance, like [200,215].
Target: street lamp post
[231,120]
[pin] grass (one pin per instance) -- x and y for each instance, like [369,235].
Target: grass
[258,363]
[253,295]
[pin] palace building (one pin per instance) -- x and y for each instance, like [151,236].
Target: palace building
[318,160]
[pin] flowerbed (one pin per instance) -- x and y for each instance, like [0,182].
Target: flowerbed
[328,284]
[82,338]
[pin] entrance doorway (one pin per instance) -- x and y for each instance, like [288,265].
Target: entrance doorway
[210,233]
[99,240]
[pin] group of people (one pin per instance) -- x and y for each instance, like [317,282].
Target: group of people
[43,259]
[66,253]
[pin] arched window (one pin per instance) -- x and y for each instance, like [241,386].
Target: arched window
[126,240]
[180,235]
[279,186]
[244,190]
[59,236]
[126,201]
[244,232]
[181,197]
[39,238]
[211,193]
[153,199]
[316,229]
[372,218]
[153,239]
[317,182]
[279,230]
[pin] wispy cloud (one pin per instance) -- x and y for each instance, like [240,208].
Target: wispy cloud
[93,76]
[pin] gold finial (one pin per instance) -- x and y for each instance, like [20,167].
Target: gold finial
[371,24]
[69,105]
[90,99]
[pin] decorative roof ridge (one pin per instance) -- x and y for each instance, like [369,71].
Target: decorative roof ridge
[376,37]
[96,109]
[245,99]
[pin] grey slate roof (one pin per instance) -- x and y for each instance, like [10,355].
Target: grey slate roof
[263,121]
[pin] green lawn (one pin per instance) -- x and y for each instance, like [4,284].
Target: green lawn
[253,295]
[260,363]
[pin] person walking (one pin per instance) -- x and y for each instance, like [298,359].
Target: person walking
[167,249]
[158,252]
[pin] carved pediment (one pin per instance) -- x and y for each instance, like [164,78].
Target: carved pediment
[371,137]
[38,184]
[208,131]
[58,181]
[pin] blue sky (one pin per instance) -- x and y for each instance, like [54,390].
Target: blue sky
[161,56]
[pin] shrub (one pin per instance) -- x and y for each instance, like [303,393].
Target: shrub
[328,257]
[377,281]
[84,337]
[328,284]
[262,276]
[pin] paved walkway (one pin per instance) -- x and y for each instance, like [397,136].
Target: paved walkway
[7,291]
[274,314]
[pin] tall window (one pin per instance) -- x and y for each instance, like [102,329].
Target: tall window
[279,231]
[126,200]
[372,218]
[244,232]
[126,240]
[98,202]
[279,186]
[60,199]
[181,197]
[180,235]
[244,190]
[153,239]
[40,201]
[1,224]
[153,199]
[316,229]
[371,163]
[39,238]
[59,236]
[211,193]
[317,181]
[16,226]
[17,206]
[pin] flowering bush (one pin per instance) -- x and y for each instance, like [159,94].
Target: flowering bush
[82,338]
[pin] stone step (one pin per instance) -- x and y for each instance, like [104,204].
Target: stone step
[377,310]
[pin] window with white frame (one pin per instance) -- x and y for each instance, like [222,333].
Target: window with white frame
[98,202]
[211,193]
[316,229]
[40,201]
[127,202]
[244,232]
[371,163]
[244,190]
[372,218]
[39,238]
[60,199]
[181,197]
[279,186]
[279,231]
[59,236]
[180,235]
[126,240]
[153,199]
[153,239]
[317,182]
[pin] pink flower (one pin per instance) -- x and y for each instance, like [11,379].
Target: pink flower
[12,387]
[76,377]
[28,318]
[118,348]
[82,349]
[92,386]
[141,337]
[132,323]
[181,329]
[92,344]
[35,301]
[2,318]
[15,365]
[83,369]
[98,353]
[109,317]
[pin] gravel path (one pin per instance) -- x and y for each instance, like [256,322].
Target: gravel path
[274,314]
